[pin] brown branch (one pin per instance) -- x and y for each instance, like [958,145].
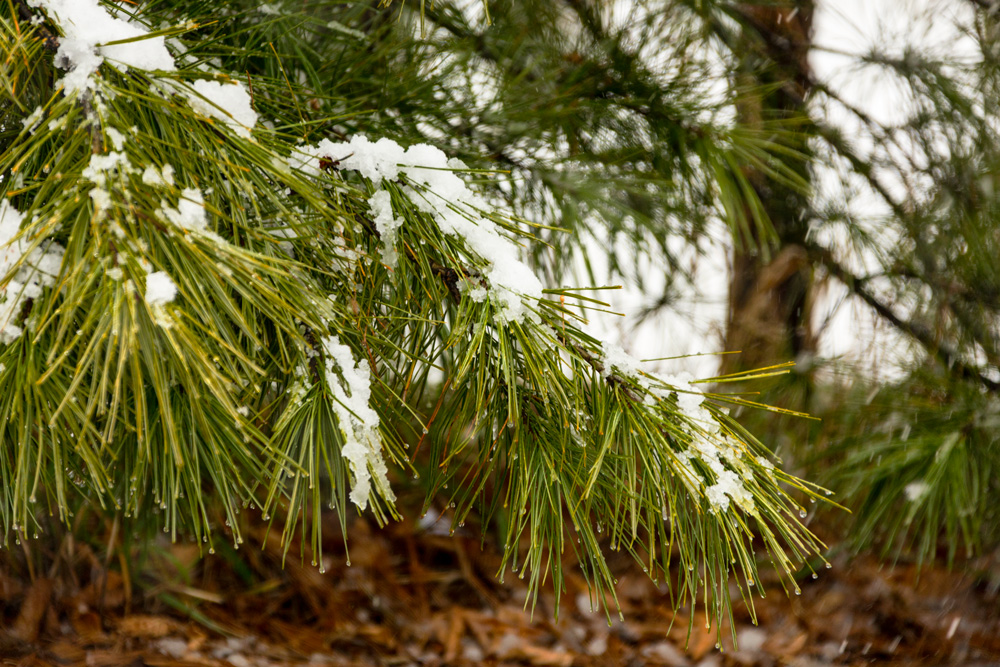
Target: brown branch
[26,14]
[991,6]
[96,139]
[947,356]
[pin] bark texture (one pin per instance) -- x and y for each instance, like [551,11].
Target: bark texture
[772,279]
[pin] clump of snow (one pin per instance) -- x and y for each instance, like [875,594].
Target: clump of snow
[156,177]
[916,490]
[340,27]
[358,421]
[229,102]
[189,213]
[445,196]
[86,25]
[728,485]
[386,224]
[97,171]
[101,165]
[473,289]
[36,269]
[160,289]
[116,137]
[33,120]
[617,358]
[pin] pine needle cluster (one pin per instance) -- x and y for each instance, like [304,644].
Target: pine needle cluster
[216,298]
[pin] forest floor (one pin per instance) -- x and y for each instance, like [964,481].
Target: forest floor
[415,596]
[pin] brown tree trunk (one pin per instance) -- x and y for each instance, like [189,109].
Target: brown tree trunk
[769,292]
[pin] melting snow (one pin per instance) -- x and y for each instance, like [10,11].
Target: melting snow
[386,224]
[38,268]
[229,102]
[358,421]
[86,25]
[160,288]
[916,490]
[707,444]
[153,176]
[190,211]
[445,196]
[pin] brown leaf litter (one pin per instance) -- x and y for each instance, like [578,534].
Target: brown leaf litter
[415,597]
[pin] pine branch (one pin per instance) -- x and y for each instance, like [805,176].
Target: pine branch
[222,314]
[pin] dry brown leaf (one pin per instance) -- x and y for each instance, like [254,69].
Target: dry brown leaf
[456,628]
[36,603]
[88,625]
[65,651]
[151,627]
[795,646]
[10,587]
[537,655]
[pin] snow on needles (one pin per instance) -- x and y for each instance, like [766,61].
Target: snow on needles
[86,25]
[351,390]
[229,102]
[443,195]
[160,289]
[36,268]
[707,444]
[189,213]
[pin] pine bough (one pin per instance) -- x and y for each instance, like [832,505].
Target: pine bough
[201,311]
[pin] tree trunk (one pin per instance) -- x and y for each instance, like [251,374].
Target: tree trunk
[771,284]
